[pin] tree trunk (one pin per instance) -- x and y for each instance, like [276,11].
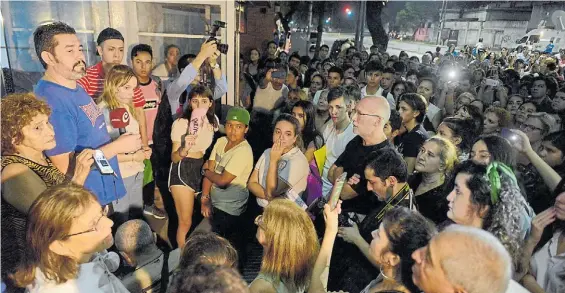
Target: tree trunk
[320,9]
[375,25]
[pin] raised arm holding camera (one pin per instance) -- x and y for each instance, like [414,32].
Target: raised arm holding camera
[191,74]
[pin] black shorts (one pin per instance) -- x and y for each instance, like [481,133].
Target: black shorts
[187,172]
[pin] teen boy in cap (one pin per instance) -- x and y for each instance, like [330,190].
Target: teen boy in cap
[224,188]
[111,49]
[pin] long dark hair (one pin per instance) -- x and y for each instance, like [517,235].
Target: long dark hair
[407,231]
[202,91]
[477,117]
[500,149]
[309,133]
[463,128]
[503,216]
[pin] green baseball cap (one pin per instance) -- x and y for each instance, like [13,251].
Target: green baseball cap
[238,114]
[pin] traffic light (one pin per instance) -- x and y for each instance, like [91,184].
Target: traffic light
[328,20]
[348,11]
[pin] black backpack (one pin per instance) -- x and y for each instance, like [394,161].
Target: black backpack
[162,143]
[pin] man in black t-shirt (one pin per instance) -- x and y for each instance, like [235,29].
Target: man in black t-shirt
[369,118]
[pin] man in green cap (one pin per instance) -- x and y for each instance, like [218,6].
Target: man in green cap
[224,188]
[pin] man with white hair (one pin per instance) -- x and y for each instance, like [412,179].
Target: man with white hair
[136,243]
[369,118]
[464,260]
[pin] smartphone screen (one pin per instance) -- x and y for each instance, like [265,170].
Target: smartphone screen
[336,191]
[509,135]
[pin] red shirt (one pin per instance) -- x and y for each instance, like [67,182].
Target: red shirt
[93,84]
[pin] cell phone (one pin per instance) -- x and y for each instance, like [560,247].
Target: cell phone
[491,82]
[510,136]
[101,163]
[336,190]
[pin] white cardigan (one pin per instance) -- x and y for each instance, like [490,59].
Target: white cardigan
[93,277]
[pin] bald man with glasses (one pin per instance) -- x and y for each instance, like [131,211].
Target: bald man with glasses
[369,118]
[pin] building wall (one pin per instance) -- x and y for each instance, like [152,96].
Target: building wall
[260,27]
[500,24]
[494,33]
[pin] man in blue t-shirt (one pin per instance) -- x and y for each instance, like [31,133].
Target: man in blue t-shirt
[76,119]
[549,47]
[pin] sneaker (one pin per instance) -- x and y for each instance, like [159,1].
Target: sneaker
[152,210]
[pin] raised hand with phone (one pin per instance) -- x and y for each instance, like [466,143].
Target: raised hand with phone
[521,143]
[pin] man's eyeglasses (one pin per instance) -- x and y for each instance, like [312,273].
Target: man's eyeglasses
[528,127]
[96,225]
[355,112]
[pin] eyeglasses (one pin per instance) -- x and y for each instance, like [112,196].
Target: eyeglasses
[529,127]
[259,221]
[104,213]
[355,112]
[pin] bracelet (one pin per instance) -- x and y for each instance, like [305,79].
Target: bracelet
[205,196]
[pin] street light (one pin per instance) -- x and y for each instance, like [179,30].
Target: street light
[328,20]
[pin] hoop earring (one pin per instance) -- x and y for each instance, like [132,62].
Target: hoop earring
[383,274]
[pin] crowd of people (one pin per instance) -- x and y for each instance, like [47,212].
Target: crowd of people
[453,165]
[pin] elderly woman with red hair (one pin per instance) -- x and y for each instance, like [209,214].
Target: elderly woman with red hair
[26,171]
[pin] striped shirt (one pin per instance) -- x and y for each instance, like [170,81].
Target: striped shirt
[93,84]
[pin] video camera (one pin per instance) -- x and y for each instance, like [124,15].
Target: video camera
[223,48]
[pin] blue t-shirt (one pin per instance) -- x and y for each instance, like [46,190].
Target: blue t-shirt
[79,124]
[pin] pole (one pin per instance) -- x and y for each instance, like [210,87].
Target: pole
[358,26]
[309,28]
[442,21]
[363,18]
[320,27]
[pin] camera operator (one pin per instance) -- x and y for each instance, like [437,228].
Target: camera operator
[272,89]
[190,75]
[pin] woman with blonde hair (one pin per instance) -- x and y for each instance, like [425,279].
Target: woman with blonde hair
[66,231]
[26,170]
[290,247]
[435,161]
[118,94]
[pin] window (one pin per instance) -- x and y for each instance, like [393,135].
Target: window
[21,18]
[184,25]
[534,39]
[522,40]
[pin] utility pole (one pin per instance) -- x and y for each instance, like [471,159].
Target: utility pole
[320,27]
[309,28]
[363,14]
[442,21]
[358,26]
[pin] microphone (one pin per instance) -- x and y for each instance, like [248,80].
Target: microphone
[119,118]
[196,120]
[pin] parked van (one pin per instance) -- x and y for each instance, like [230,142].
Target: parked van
[540,38]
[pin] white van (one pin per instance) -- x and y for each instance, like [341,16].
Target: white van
[540,38]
